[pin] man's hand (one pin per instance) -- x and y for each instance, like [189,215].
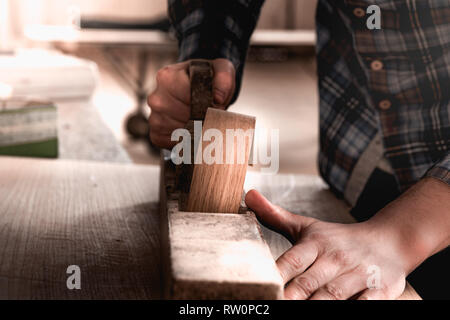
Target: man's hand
[333,261]
[170,102]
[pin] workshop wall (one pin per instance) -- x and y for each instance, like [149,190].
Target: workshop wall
[277,14]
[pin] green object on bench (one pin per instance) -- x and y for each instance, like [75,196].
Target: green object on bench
[28,129]
[45,149]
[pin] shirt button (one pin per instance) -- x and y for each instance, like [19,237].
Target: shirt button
[376,65]
[359,12]
[385,104]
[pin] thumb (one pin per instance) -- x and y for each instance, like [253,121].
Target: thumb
[276,218]
[224,82]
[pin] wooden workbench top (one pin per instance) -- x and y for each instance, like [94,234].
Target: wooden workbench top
[100,217]
[83,135]
[104,218]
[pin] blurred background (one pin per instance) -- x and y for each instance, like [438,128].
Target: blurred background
[96,61]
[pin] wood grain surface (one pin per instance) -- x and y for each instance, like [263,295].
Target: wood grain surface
[101,217]
[104,218]
[76,119]
[218,187]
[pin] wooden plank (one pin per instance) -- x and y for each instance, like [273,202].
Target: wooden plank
[218,187]
[104,218]
[75,119]
[212,255]
[101,217]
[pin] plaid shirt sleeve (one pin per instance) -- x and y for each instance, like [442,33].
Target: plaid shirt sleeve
[215,29]
[441,170]
[392,81]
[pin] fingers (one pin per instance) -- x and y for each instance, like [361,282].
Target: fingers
[165,124]
[170,102]
[342,288]
[167,115]
[223,83]
[162,141]
[391,292]
[319,274]
[276,218]
[174,80]
[296,260]
[161,102]
[374,294]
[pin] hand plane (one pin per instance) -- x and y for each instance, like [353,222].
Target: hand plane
[211,245]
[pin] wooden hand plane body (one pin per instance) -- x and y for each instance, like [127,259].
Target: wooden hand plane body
[212,246]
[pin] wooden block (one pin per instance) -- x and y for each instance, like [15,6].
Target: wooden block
[215,187]
[218,187]
[213,255]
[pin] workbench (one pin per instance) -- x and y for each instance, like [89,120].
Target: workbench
[94,209]
[103,217]
[82,134]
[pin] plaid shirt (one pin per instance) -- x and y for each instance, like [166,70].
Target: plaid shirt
[394,81]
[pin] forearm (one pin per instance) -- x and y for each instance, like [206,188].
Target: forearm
[418,222]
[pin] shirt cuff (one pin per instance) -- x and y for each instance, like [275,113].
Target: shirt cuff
[215,29]
[441,170]
[192,47]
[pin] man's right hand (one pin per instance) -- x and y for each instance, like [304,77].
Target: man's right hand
[170,101]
